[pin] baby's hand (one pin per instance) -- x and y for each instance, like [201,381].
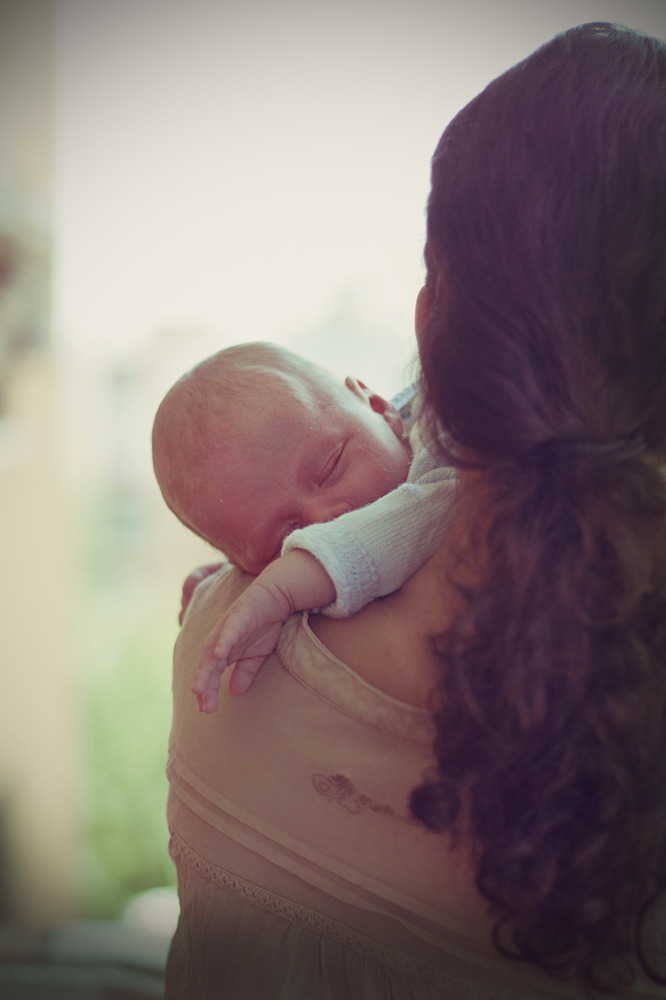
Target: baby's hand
[249,630]
[246,635]
[191,582]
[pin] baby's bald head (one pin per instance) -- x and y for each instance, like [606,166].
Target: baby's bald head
[208,406]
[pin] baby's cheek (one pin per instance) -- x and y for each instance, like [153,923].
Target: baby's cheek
[401,466]
[390,478]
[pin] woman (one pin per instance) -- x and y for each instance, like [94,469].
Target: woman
[545,359]
[323,848]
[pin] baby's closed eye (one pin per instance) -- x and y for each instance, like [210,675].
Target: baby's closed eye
[333,467]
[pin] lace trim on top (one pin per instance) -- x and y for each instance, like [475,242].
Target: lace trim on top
[341,934]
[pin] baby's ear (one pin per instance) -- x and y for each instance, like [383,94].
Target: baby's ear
[377,403]
[424,302]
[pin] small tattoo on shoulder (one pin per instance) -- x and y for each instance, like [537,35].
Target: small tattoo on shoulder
[341,790]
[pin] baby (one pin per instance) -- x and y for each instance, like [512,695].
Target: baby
[305,480]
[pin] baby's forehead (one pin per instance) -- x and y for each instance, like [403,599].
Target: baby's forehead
[258,403]
[281,414]
[289,391]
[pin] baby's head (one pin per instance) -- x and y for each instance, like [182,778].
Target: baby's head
[257,441]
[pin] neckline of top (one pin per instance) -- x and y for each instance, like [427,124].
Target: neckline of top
[306,658]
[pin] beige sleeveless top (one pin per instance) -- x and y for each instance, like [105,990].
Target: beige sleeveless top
[301,873]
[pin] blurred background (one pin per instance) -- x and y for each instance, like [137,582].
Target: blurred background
[176,177]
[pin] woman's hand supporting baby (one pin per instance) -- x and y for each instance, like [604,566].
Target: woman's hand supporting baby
[249,630]
[192,582]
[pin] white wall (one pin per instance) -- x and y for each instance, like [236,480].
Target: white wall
[261,167]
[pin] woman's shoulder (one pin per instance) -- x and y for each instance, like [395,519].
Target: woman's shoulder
[390,642]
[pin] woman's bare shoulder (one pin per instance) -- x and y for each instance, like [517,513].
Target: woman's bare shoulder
[389,643]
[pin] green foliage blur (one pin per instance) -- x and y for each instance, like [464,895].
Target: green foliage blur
[128,628]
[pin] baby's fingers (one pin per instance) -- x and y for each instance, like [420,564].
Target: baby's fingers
[243,674]
[208,701]
[206,686]
[206,682]
[236,633]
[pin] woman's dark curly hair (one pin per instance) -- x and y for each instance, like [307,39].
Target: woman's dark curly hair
[544,359]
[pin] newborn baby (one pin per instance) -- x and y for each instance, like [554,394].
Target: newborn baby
[308,481]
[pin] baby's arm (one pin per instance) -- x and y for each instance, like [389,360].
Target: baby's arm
[370,552]
[249,630]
